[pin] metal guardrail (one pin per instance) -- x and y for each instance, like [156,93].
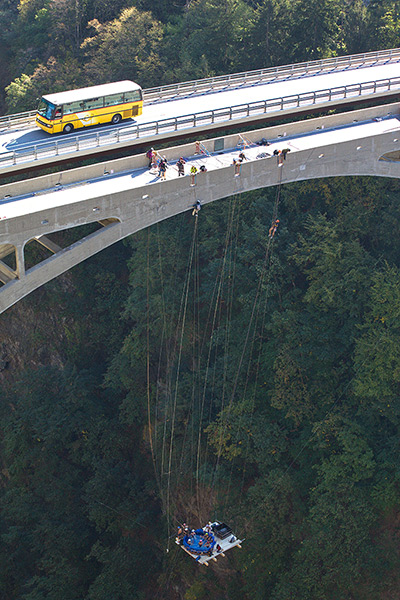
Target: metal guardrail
[153,95]
[9,121]
[258,76]
[107,138]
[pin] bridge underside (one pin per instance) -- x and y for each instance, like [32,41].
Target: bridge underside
[364,142]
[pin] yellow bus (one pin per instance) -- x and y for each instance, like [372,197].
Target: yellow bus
[107,103]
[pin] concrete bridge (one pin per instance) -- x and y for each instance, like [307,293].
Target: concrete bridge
[123,196]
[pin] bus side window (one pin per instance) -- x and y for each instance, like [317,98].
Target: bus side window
[94,103]
[113,100]
[58,112]
[133,96]
[72,107]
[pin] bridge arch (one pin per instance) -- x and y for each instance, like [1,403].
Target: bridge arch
[365,142]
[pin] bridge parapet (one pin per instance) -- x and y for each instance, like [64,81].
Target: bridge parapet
[113,167]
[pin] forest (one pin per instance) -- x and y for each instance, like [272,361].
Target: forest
[190,373]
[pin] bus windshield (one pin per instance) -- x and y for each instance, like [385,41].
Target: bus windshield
[46,109]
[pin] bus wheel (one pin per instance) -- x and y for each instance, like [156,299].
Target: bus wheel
[116,119]
[68,128]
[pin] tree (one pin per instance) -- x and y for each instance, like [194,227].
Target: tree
[126,48]
[272,39]
[55,76]
[316,32]
[335,549]
[377,358]
[32,33]
[354,27]
[216,31]
[384,23]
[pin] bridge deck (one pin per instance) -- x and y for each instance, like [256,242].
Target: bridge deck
[268,90]
[139,178]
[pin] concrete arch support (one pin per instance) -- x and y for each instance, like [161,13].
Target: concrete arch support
[20,257]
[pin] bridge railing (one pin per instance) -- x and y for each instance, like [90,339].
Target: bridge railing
[108,138]
[259,76]
[18,119]
[248,78]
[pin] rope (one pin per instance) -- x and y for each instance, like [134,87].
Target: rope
[183,310]
[177,379]
[255,382]
[148,354]
[168,349]
[238,370]
[172,352]
[260,281]
[195,361]
[216,306]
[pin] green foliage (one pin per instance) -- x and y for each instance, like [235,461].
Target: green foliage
[272,34]
[23,93]
[126,48]
[377,352]
[92,41]
[196,592]
[384,23]
[317,28]
[217,30]
[63,436]
[183,375]
[20,94]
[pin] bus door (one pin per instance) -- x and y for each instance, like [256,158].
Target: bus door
[57,118]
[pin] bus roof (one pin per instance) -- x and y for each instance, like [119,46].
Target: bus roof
[94,91]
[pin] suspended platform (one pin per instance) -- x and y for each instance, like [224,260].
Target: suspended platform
[207,543]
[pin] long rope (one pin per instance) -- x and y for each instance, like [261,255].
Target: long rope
[224,425]
[260,282]
[231,271]
[171,352]
[177,380]
[216,306]
[148,354]
[196,367]
[168,348]
[255,384]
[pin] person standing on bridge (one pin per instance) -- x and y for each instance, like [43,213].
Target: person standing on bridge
[181,166]
[150,156]
[155,160]
[279,157]
[162,168]
[193,173]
